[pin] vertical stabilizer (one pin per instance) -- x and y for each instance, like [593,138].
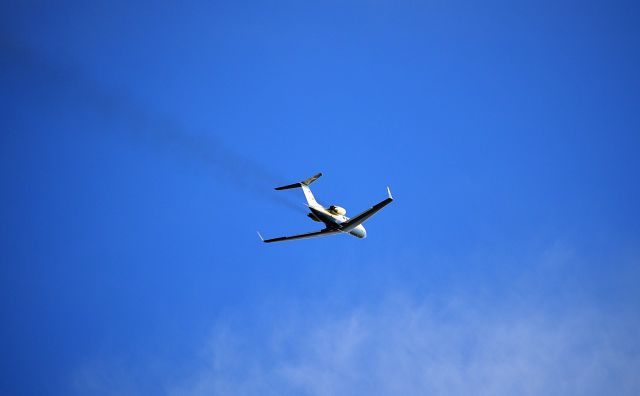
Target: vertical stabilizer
[311,200]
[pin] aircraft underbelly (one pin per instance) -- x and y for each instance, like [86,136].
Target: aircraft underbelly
[326,218]
[333,222]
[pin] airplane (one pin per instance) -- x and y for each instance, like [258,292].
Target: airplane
[333,217]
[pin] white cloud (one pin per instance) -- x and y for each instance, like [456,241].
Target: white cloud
[419,348]
[537,336]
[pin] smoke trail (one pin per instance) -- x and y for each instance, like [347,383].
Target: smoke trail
[161,132]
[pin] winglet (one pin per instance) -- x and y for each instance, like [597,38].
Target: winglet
[389,192]
[261,238]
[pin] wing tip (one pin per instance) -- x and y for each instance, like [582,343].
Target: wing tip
[261,238]
[389,192]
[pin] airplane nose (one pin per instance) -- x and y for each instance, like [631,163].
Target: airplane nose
[359,232]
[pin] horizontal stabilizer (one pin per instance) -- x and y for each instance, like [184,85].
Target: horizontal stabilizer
[294,185]
[302,183]
[312,179]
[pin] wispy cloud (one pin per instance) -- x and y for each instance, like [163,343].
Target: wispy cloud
[415,348]
[458,345]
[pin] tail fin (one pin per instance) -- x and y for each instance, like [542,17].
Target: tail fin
[302,183]
[305,188]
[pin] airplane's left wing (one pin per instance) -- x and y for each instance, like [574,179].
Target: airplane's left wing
[359,219]
[315,234]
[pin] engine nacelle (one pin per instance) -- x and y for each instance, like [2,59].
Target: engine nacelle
[337,210]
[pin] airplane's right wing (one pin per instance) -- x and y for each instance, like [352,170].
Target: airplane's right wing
[359,219]
[315,234]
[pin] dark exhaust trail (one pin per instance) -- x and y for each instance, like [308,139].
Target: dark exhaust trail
[150,129]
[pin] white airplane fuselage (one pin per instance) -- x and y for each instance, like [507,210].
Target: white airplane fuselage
[333,219]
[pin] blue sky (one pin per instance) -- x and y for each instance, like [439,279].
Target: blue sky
[140,144]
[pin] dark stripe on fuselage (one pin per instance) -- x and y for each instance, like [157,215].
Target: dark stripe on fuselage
[326,218]
[335,224]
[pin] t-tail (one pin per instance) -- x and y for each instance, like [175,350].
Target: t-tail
[305,188]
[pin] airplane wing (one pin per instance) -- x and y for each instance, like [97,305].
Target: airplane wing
[314,234]
[359,219]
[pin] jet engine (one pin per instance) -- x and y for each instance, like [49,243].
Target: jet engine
[337,210]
